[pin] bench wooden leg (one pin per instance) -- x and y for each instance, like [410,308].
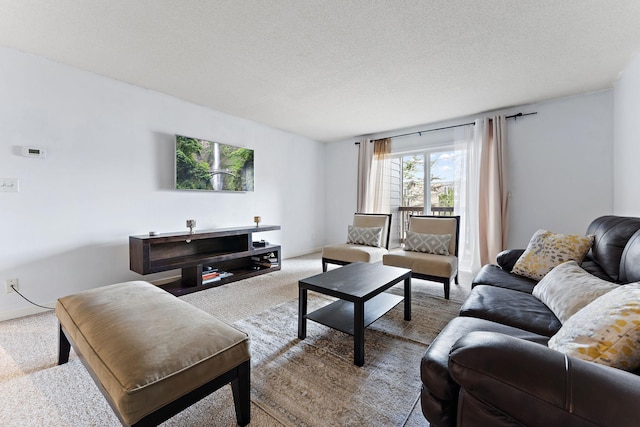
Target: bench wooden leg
[64,347]
[241,388]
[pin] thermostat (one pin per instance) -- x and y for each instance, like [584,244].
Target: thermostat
[39,153]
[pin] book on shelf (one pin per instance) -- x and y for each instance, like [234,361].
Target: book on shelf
[224,274]
[211,280]
[207,276]
[266,260]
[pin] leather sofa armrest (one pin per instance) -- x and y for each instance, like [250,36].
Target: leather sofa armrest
[507,258]
[529,383]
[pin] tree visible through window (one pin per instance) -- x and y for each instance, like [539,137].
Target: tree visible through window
[437,179]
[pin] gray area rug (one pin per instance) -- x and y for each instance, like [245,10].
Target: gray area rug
[294,383]
[313,382]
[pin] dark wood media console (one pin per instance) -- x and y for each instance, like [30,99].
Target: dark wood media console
[226,249]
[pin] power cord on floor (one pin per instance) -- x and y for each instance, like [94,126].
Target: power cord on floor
[28,300]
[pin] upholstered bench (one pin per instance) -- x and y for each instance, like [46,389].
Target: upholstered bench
[151,354]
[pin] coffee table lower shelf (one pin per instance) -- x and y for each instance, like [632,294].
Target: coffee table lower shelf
[340,314]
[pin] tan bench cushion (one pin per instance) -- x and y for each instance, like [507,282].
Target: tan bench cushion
[422,263]
[147,347]
[348,252]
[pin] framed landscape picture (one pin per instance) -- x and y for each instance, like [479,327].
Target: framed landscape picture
[212,166]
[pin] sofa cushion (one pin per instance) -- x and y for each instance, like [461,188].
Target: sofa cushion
[629,265]
[606,331]
[547,250]
[492,275]
[368,236]
[567,288]
[508,258]
[440,392]
[611,236]
[509,307]
[437,244]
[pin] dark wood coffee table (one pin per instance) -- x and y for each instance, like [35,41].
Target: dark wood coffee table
[360,288]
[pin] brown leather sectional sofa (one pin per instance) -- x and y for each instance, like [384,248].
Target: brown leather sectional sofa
[491,365]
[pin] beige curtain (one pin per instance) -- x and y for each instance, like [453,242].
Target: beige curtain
[380,184]
[365,157]
[494,194]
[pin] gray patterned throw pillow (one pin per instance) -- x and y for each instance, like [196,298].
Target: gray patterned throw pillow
[429,243]
[368,236]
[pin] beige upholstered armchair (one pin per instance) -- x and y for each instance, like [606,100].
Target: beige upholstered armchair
[430,249]
[367,241]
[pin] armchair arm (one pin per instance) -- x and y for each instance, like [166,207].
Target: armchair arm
[507,258]
[506,380]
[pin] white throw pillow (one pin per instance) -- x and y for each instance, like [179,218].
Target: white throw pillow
[429,243]
[368,236]
[567,288]
[606,331]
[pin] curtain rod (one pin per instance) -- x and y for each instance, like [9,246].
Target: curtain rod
[514,116]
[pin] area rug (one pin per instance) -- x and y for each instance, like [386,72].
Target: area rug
[313,382]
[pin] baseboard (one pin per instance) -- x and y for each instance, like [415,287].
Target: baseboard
[306,252]
[14,314]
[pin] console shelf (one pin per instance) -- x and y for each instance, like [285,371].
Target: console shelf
[225,249]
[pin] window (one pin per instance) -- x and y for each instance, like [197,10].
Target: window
[425,184]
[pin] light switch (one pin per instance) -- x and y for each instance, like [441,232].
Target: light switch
[9,185]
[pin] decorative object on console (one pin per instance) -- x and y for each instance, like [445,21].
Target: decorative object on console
[190,224]
[209,165]
[257,220]
[546,250]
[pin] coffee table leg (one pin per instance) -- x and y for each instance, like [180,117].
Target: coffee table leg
[358,333]
[407,298]
[302,313]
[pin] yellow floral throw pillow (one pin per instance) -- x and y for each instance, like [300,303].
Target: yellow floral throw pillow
[606,331]
[547,250]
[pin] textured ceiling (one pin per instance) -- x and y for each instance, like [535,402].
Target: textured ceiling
[334,69]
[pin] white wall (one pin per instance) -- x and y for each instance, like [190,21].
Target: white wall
[627,140]
[561,174]
[561,166]
[110,174]
[341,159]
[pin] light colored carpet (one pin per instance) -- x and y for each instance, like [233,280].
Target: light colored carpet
[294,383]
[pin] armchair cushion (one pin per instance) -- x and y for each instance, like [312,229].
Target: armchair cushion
[423,263]
[368,236]
[437,244]
[547,250]
[348,253]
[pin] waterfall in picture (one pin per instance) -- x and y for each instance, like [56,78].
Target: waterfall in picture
[216,177]
[209,165]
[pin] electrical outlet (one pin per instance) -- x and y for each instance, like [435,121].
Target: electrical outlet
[12,282]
